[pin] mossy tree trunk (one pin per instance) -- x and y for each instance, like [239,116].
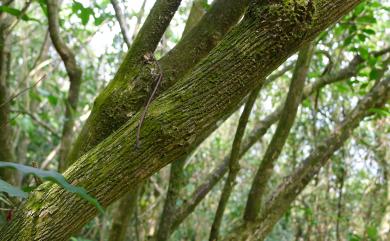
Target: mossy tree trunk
[179,119]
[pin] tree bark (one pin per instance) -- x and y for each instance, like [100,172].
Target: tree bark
[179,119]
[176,176]
[131,91]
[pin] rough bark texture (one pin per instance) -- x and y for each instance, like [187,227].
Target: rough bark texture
[234,165]
[179,118]
[177,167]
[132,88]
[292,185]
[74,73]
[279,138]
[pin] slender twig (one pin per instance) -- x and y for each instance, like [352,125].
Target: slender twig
[234,165]
[38,121]
[22,91]
[22,13]
[122,22]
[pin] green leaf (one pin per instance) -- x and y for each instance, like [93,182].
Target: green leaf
[353,237]
[56,178]
[372,233]
[342,88]
[99,20]
[11,190]
[52,100]
[17,13]
[85,14]
[366,19]
[380,111]
[374,74]
[363,53]
[42,4]
[368,31]
[362,37]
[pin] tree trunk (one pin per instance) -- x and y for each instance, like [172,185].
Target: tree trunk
[122,216]
[179,119]
[6,151]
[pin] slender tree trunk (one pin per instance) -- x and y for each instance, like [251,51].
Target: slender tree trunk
[175,185]
[279,138]
[259,130]
[234,166]
[74,73]
[122,216]
[340,178]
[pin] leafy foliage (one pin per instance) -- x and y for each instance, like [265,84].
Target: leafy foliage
[51,176]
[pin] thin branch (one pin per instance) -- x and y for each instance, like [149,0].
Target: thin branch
[22,91]
[50,157]
[153,29]
[122,22]
[74,73]
[18,18]
[150,98]
[293,184]
[66,54]
[38,121]
[260,129]
[139,20]
[234,165]
[275,147]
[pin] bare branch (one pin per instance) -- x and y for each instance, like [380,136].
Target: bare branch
[74,73]
[279,138]
[22,91]
[153,29]
[122,22]
[260,129]
[39,122]
[234,165]
[293,184]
